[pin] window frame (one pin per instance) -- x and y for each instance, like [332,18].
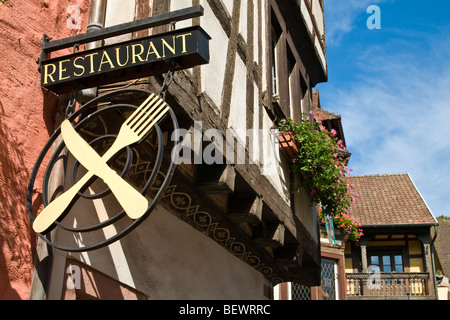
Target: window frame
[380,254]
[287,81]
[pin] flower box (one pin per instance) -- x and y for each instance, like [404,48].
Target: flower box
[288,145]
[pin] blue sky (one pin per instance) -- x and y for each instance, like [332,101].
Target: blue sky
[392,88]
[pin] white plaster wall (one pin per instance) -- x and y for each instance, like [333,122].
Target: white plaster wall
[164,257]
[214,72]
[229,5]
[318,15]
[238,107]
[306,212]
[320,52]
[256,134]
[243,20]
[167,259]
[181,4]
[117,12]
[256,32]
[174,255]
[274,167]
[306,17]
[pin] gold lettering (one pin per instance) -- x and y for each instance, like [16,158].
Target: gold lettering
[166,45]
[118,56]
[61,70]
[152,50]
[183,36]
[78,66]
[108,60]
[137,55]
[48,75]
[91,58]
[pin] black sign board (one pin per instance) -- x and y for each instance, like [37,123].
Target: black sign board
[180,49]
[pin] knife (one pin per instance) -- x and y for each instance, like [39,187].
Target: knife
[131,200]
[133,203]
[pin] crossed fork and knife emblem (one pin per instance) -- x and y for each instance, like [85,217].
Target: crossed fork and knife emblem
[135,128]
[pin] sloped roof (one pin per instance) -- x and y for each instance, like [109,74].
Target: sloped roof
[317,108]
[323,116]
[442,245]
[390,199]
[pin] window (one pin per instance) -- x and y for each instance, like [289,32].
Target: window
[288,80]
[276,35]
[329,280]
[300,292]
[274,65]
[387,262]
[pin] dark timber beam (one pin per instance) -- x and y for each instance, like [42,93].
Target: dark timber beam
[270,234]
[245,209]
[290,256]
[217,179]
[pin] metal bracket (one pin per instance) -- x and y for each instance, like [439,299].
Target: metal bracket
[43,56]
[129,27]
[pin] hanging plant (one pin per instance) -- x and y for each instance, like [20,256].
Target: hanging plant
[346,223]
[321,164]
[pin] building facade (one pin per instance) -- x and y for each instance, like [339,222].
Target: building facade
[442,258]
[333,284]
[223,229]
[394,259]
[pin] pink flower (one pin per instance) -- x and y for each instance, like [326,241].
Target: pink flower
[333,132]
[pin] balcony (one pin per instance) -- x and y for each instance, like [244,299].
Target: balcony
[405,286]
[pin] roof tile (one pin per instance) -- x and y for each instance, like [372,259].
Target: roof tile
[389,200]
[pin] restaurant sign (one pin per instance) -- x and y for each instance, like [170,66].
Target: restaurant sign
[106,163]
[176,50]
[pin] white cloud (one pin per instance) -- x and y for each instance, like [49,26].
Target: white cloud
[396,114]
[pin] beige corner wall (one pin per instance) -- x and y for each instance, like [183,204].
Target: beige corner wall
[165,258]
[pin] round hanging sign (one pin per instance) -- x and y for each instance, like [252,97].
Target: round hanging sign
[106,170]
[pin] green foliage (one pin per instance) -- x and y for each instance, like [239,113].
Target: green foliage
[322,168]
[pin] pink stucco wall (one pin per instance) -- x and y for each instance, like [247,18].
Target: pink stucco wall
[26,120]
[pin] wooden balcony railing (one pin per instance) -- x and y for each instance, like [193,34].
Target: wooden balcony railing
[384,285]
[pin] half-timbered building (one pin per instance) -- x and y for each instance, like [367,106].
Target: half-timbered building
[227,225]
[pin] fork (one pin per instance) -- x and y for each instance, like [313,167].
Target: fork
[135,128]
